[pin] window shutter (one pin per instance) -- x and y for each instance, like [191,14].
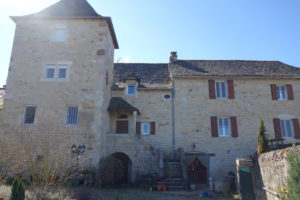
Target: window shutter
[212,89]
[296,128]
[234,129]
[122,127]
[138,128]
[290,92]
[152,132]
[277,128]
[214,126]
[273,92]
[230,89]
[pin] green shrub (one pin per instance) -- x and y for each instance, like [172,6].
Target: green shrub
[262,141]
[294,174]
[18,190]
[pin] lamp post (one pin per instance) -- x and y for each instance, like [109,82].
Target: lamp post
[78,150]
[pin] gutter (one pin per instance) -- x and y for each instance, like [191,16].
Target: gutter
[241,77]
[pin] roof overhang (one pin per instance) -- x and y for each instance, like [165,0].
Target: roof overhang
[118,104]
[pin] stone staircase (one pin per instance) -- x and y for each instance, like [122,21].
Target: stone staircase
[173,174]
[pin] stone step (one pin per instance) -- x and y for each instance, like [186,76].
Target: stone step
[175,188]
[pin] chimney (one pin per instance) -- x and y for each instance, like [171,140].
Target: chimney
[173,57]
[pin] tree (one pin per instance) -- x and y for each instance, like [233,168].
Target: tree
[262,141]
[18,190]
[294,174]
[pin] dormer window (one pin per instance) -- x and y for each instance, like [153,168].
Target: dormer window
[60,33]
[131,89]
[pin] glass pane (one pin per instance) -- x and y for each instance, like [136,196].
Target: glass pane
[72,115]
[226,126]
[50,73]
[283,92]
[218,89]
[145,128]
[223,90]
[282,125]
[220,126]
[289,128]
[131,89]
[29,115]
[59,35]
[62,73]
[278,92]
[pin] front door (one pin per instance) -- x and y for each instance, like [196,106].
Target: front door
[197,172]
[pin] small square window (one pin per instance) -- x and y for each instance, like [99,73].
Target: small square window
[60,33]
[72,115]
[145,129]
[62,73]
[131,89]
[224,126]
[281,92]
[286,128]
[50,73]
[29,114]
[221,90]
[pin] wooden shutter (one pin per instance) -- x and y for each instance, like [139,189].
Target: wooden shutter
[273,92]
[106,78]
[212,89]
[234,128]
[296,128]
[277,128]
[122,127]
[214,126]
[230,89]
[152,130]
[138,128]
[290,92]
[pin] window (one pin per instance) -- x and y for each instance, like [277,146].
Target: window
[50,73]
[29,114]
[167,97]
[224,126]
[281,92]
[62,73]
[72,115]
[145,129]
[221,90]
[286,128]
[131,89]
[60,33]
[122,126]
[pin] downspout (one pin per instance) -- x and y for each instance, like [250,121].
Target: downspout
[173,118]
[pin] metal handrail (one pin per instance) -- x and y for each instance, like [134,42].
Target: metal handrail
[271,192]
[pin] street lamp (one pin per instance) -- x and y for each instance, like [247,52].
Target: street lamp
[78,150]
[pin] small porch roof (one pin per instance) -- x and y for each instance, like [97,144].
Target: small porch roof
[119,104]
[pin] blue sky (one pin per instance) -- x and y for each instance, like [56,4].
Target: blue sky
[149,30]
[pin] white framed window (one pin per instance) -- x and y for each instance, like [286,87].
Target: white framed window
[145,129]
[62,73]
[59,33]
[54,72]
[221,90]
[72,115]
[281,92]
[224,126]
[50,73]
[131,89]
[287,128]
[29,114]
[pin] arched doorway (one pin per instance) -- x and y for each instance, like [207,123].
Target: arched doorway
[197,172]
[125,168]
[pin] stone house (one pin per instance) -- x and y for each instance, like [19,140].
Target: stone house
[181,119]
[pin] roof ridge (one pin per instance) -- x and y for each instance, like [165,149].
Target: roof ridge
[233,60]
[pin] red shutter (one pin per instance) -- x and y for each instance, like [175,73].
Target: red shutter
[212,89]
[106,78]
[230,89]
[296,128]
[122,127]
[152,128]
[214,126]
[277,128]
[290,92]
[234,128]
[138,128]
[273,92]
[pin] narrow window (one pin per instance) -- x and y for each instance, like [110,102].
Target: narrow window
[72,115]
[281,92]
[286,128]
[29,114]
[145,129]
[62,73]
[122,127]
[221,90]
[131,89]
[224,126]
[49,73]
[60,33]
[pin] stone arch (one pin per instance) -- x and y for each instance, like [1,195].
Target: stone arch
[127,167]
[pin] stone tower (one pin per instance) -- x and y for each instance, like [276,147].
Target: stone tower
[64,56]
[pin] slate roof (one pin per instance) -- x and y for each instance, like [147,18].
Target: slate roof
[119,104]
[72,9]
[151,75]
[234,68]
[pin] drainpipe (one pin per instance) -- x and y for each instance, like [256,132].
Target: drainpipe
[173,118]
[134,121]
